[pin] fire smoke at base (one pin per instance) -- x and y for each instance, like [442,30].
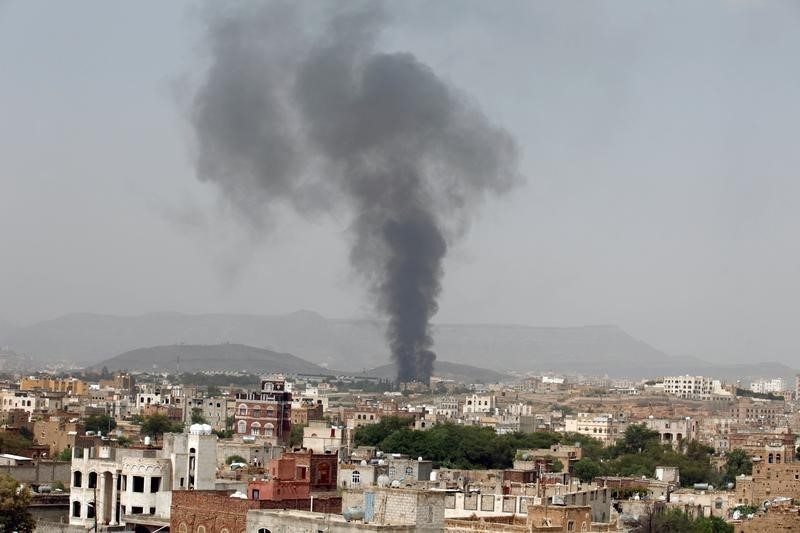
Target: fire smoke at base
[317,119]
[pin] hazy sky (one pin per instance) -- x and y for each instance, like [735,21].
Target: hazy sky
[660,147]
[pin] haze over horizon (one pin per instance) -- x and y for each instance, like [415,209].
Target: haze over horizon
[657,142]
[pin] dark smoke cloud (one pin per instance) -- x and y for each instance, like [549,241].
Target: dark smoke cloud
[319,118]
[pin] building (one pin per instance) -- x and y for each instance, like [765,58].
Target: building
[673,431]
[767,482]
[767,386]
[758,412]
[599,426]
[319,437]
[764,446]
[693,387]
[476,403]
[267,412]
[114,485]
[69,386]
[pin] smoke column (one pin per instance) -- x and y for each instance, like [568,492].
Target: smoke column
[301,109]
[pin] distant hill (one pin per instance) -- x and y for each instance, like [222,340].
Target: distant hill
[447,370]
[194,358]
[357,345]
[5,329]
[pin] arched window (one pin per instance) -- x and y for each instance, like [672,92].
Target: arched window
[242,410]
[76,509]
[270,412]
[269,429]
[409,471]
[263,530]
[93,479]
[182,528]
[77,478]
[255,428]
[771,459]
[356,477]
[201,529]
[241,427]
[777,458]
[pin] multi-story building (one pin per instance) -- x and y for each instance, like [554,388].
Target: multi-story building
[69,386]
[765,446]
[758,412]
[267,412]
[602,427]
[693,387]
[215,410]
[766,386]
[115,486]
[28,401]
[476,403]
[673,431]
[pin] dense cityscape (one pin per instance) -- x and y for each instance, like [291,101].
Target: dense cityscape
[229,451]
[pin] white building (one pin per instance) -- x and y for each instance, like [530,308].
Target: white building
[693,387]
[598,426]
[111,484]
[766,386]
[480,404]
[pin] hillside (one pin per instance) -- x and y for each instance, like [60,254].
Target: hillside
[193,358]
[357,345]
[448,370]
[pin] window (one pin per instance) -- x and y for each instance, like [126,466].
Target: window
[241,427]
[93,479]
[255,428]
[409,471]
[90,510]
[356,477]
[243,410]
[268,429]
[152,510]
[77,479]
[264,530]
[155,484]
[570,526]
[182,528]
[201,529]
[76,509]
[138,484]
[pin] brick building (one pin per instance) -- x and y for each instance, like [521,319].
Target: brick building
[266,412]
[769,481]
[765,446]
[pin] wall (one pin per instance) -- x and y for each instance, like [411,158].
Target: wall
[42,472]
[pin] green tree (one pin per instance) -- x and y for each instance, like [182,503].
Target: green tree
[158,424]
[197,416]
[586,470]
[64,455]
[637,438]
[556,465]
[14,513]
[296,437]
[235,459]
[737,463]
[373,434]
[102,423]
[13,443]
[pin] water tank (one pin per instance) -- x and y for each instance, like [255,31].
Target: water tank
[147,441]
[383,480]
[396,483]
[434,475]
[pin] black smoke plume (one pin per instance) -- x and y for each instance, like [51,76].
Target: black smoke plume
[318,118]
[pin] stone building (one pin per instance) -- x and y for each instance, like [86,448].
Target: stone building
[673,431]
[423,509]
[767,482]
[120,485]
[266,412]
[765,446]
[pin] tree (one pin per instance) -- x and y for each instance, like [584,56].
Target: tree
[101,423]
[158,424]
[373,434]
[235,459]
[197,416]
[637,438]
[13,443]
[556,465]
[14,499]
[738,463]
[296,438]
[586,470]
[64,455]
